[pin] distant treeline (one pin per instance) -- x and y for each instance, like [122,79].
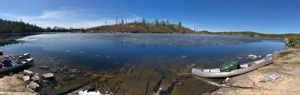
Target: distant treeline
[158,26]
[7,26]
[164,26]
[247,34]
[292,40]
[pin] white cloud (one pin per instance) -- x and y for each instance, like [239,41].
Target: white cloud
[56,14]
[70,17]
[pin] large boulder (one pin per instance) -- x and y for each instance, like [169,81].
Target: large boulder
[12,84]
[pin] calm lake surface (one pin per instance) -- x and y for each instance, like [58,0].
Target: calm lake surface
[106,51]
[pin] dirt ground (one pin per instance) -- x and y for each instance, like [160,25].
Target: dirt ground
[286,68]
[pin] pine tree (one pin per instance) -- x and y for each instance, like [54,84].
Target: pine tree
[122,21]
[180,27]
[179,24]
[144,21]
[156,22]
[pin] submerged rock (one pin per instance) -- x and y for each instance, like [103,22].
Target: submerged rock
[252,56]
[74,71]
[44,67]
[72,76]
[28,72]
[239,57]
[48,75]
[45,81]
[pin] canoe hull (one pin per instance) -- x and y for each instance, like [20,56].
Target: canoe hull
[26,62]
[10,69]
[200,72]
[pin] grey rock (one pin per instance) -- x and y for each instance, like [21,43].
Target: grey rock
[26,78]
[72,76]
[252,56]
[45,81]
[33,85]
[48,75]
[35,77]
[270,78]
[28,72]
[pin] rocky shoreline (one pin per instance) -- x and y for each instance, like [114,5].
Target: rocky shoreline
[25,82]
[131,79]
[159,79]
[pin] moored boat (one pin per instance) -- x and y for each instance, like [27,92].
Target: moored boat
[22,61]
[244,68]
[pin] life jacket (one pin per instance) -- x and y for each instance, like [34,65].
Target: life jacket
[6,61]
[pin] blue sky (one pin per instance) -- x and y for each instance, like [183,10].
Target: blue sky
[267,16]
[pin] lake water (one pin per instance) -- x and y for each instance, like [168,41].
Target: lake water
[106,51]
[138,60]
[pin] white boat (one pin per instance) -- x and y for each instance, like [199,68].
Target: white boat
[247,67]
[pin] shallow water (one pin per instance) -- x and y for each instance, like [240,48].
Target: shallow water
[104,51]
